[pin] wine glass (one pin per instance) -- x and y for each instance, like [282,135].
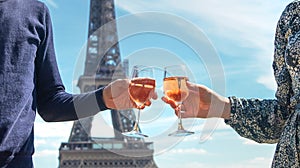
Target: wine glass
[141,87]
[175,88]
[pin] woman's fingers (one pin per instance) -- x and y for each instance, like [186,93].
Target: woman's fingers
[169,101]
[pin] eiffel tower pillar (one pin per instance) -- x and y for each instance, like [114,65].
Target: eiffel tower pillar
[102,66]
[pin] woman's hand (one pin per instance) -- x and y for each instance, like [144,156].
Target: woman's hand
[202,102]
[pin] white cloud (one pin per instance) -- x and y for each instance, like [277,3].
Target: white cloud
[248,24]
[48,137]
[246,141]
[193,138]
[52,3]
[268,81]
[46,153]
[249,163]
[189,151]
[47,130]
[260,159]
[39,142]
[205,129]
[202,133]
[255,162]
[192,164]
[249,142]
[245,21]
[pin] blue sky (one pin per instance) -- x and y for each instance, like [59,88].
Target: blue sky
[242,34]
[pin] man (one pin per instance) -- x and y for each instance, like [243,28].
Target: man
[30,81]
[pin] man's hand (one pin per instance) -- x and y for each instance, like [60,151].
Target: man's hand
[202,103]
[116,95]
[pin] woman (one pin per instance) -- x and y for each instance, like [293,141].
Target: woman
[264,121]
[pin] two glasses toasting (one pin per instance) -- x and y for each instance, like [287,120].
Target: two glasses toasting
[142,88]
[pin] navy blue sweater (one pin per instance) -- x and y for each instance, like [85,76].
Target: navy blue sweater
[30,81]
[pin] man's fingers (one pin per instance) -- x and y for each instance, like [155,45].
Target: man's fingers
[142,107]
[147,103]
[153,95]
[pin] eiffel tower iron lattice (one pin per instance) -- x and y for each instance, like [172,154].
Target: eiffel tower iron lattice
[103,65]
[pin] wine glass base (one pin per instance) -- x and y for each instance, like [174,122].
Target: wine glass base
[135,134]
[180,133]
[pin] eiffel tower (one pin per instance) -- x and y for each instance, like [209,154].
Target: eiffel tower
[102,66]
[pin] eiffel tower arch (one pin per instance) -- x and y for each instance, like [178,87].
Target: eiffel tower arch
[102,65]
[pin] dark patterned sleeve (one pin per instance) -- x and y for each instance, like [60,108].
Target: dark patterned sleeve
[263,120]
[259,120]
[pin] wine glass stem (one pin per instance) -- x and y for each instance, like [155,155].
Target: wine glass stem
[180,127]
[136,125]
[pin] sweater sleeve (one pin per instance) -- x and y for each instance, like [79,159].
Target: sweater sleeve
[53,103]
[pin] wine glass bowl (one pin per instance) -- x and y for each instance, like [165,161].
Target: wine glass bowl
[175,88]
[140,90]
[141,86]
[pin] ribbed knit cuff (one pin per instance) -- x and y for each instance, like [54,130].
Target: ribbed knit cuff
[100,100]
